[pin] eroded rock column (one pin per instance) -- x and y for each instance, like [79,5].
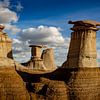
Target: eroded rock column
[36,62]
[82,50]
[48,59]
[5,44]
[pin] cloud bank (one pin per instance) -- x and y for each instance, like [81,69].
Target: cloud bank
[42,35]
[45,35]
[8,17]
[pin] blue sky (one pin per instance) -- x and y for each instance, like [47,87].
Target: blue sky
[38,16]
[57,12]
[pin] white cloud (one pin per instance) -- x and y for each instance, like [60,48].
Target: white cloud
[22,51]
[61,52]
[7,17]
[16,41]
[50,36]
[12,28]
[45,35]
[4,4]
[22,56]
[42,35]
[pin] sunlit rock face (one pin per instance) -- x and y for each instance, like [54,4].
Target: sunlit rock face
[82,50]
[5,44]
[48,59]
[77,79]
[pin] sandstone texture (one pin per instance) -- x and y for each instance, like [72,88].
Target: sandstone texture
[48,59]
[77,79]
[12,86]
[84,84]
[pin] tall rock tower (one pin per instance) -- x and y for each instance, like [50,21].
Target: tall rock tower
[82,50]
[5,45]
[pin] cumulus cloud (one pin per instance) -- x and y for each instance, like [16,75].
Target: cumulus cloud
[19,46]
[12,28]
[42,35]
[4,4]
[50,36]
[21,51]
[61,52]
[7,17]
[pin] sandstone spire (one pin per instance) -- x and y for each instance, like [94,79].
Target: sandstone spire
[6,56]
[5,44]
[36,62]
[82,50]
[48,59]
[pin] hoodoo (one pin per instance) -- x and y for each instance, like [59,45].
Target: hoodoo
[82,50]
[5,44]
[36,62]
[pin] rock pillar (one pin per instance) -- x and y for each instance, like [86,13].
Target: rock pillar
[5,45]
[48,59]
[36,62]
[82,50]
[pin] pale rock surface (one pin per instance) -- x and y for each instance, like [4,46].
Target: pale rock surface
[48,59]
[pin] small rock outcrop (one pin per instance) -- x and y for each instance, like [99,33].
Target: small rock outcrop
[82,50]
[48,59]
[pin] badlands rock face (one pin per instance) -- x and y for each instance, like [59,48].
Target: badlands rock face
[77,79]
[48,59]
[11,84]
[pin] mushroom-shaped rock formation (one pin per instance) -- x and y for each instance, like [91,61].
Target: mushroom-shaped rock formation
[35,62]
[82,50]
[85,23]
